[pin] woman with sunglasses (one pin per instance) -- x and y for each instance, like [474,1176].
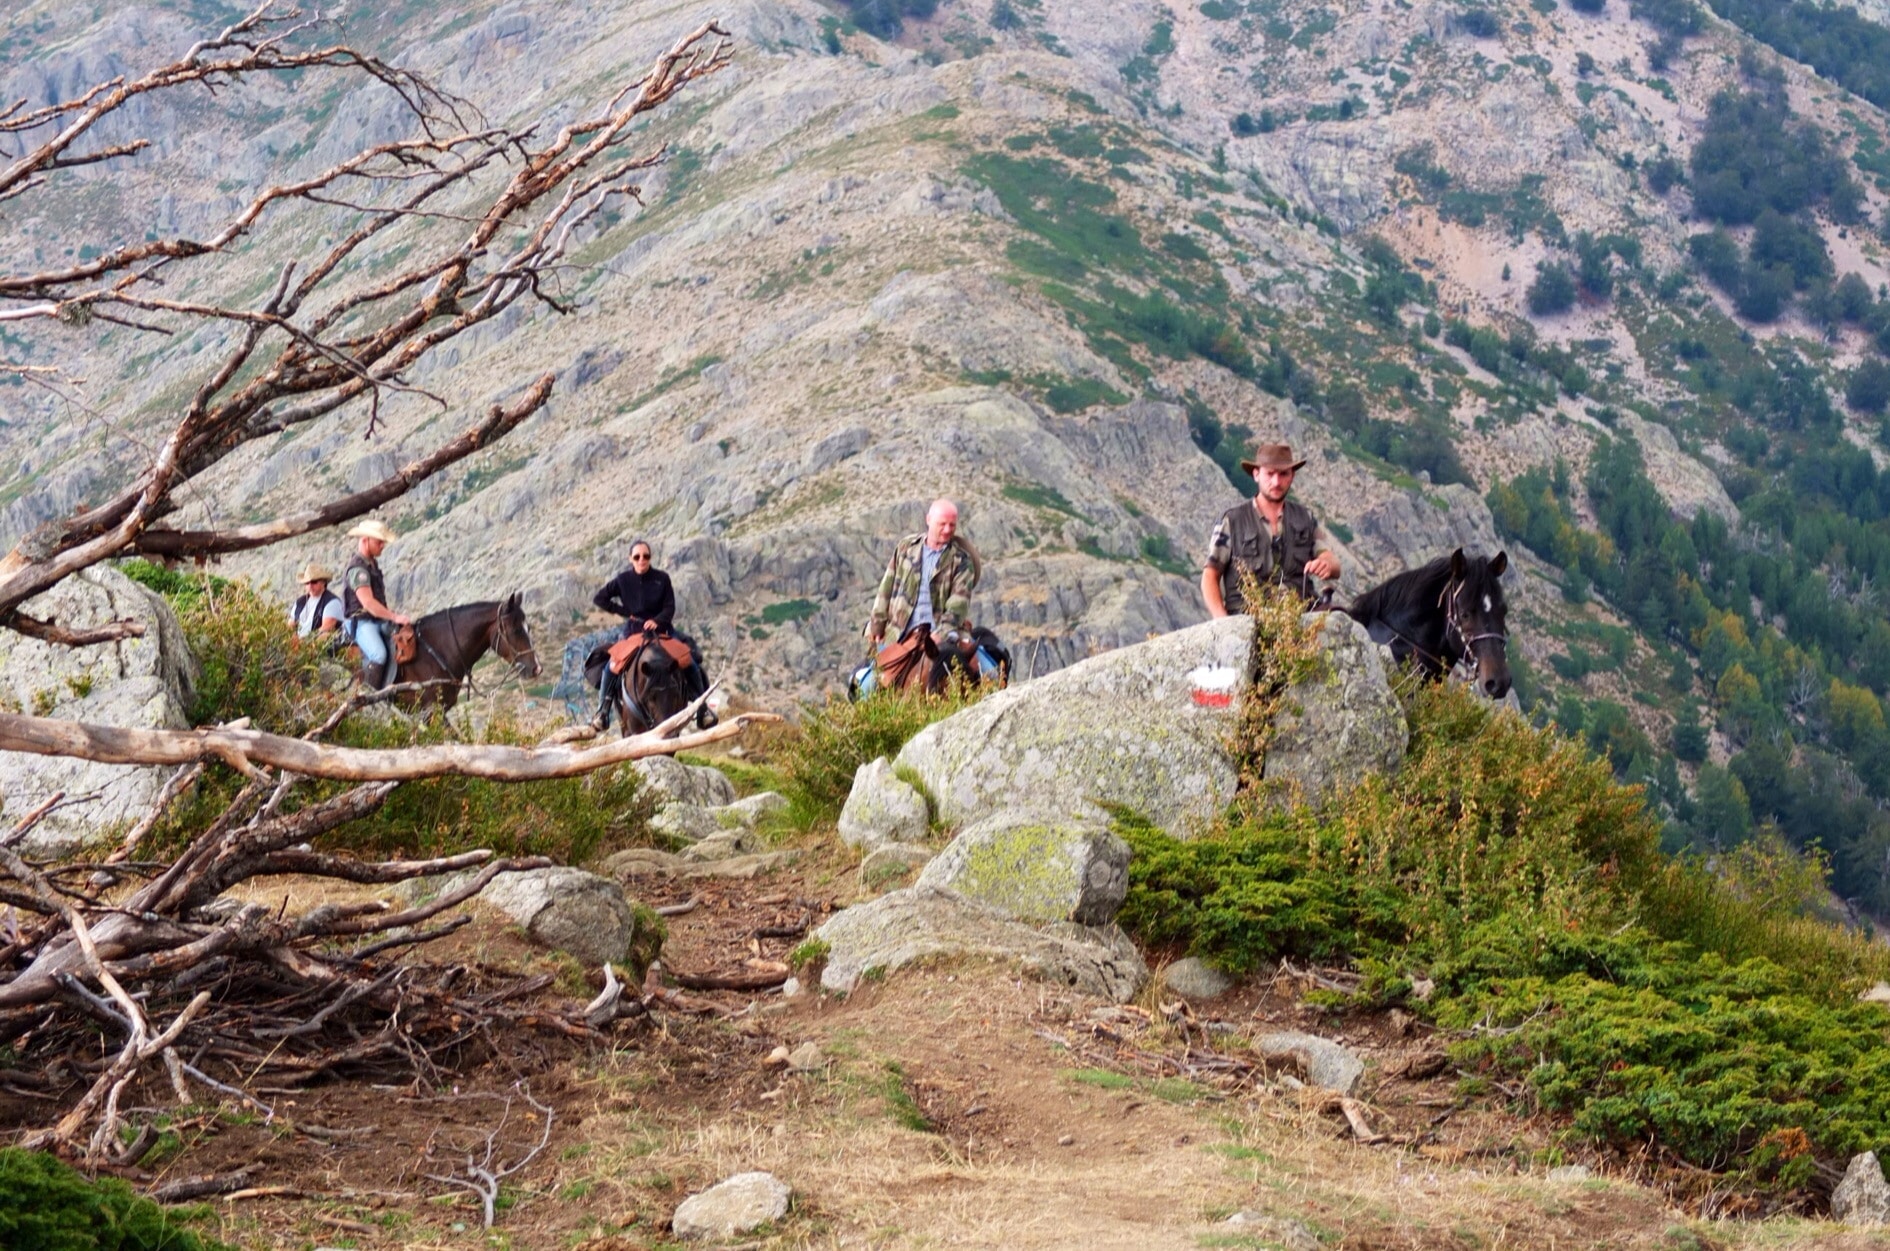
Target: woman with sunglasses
[643,597]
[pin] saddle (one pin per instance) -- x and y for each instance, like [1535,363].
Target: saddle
[406,644]
[620,653]
[899,662]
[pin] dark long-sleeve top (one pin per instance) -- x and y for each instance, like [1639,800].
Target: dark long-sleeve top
[639,597]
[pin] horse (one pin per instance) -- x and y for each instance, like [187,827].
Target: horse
[653,686]
[974,657]
[1441,613]
[450,642]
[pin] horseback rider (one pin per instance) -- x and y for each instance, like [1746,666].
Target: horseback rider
[317,610]
[644,597]
[927,586]
[364,599]
[1276,539]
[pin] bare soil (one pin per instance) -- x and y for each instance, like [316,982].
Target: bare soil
[954,1106]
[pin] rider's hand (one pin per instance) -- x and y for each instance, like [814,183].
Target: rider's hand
[401,618]
[1323,566]
[650,627]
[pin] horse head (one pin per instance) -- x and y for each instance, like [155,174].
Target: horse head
[1477,617]
[655,681]
[512,640]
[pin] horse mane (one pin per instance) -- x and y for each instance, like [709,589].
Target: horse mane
[1413,589]
[440,614]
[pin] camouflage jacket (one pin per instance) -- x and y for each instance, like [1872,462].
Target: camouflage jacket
[952,583]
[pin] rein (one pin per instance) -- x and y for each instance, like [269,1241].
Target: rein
[499,623]
[1449,601]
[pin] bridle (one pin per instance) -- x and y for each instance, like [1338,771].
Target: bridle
[631,670]
[500,621]
[1451,601]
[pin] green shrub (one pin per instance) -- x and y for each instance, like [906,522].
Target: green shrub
[1704,1007]
[252,665]
[250,662]
[46,1205]
[815,760]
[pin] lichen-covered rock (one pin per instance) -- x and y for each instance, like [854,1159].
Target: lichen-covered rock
[136,683]
[743,1202]
[1125,727]
[1862,1197]
[893,864]
[688,823]
[755,807]
[1335,729]
[1037,868]
[725,845]
[674,782]
[567,909]
[882,808]
[920,922]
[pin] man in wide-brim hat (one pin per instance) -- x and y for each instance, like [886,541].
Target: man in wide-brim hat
[317,610]
[364,598]
[1274,538]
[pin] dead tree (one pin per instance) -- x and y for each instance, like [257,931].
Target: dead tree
[149,953]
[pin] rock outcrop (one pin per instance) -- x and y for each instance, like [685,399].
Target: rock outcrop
[1341,726]
[1863,1196]
[142,683]
[1123,728]
[882,808]
[921,922]
[1036,868]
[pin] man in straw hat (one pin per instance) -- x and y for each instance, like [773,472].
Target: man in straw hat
[317,610]
[1275,539]
[364,597]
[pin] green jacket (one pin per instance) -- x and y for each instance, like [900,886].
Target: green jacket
[952,583]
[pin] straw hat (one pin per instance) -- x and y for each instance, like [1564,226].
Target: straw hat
[312,572]
[372,530]
[1272,456]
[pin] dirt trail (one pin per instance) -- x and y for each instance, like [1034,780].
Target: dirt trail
[955,1106]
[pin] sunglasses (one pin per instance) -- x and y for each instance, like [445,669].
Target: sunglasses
[635,559]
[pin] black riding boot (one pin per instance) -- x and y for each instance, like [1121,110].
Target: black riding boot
[694,684]
[607,699]
[373,676]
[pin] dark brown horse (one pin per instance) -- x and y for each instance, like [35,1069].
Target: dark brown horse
[451,641]
[1440,614]
[653,687]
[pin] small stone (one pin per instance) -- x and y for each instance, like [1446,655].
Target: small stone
[743,1202]
[1067,1140]
[1863,1197]
[791,988]
[1195,978]
[807,1058]
[1324,1062]
[1275,1230]
[757,806]
[1569,1173]
[778,1057]
[1879,993]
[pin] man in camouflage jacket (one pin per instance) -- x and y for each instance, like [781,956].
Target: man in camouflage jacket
[928,581]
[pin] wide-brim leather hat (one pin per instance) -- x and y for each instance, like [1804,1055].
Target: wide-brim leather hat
[314,573]
[372,530]
[1272,456]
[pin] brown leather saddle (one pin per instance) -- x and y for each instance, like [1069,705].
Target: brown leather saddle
[406,644]
[907,662]
[621,653]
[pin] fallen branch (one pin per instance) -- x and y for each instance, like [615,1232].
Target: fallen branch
[483,1177]
[44,736]
[738,981]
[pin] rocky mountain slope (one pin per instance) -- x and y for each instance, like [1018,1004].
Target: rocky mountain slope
[1061,262]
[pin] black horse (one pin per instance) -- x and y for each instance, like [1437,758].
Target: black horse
[653,687]
[1439,614]
[451,641]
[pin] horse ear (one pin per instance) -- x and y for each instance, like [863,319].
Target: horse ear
[1498,563]
[511,601]
[1456,563]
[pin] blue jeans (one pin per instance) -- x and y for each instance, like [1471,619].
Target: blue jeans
[370,636]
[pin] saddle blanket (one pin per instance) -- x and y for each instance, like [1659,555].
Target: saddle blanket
[621,652]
